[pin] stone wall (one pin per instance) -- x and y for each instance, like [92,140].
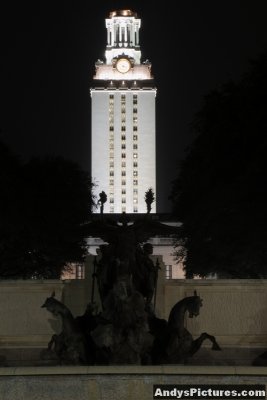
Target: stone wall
[23,322]
[116,383]
[234,311]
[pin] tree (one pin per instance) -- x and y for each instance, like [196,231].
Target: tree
[102,200]
[149,199]
[10,212]
[220,194]
[52,200]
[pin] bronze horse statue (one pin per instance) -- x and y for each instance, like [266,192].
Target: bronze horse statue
[173,343]
[70,345]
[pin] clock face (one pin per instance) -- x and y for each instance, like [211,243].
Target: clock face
[123,65]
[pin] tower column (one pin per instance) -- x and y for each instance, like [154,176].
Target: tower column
[123,119]
[108,36]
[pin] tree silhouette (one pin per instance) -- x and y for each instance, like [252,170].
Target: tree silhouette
[44,204]
[102,200]
[149,199]
[220,194]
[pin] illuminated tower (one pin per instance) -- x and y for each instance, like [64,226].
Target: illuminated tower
[123,119]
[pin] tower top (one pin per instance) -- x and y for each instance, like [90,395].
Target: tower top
[122,13]
[123,35]
[123,54]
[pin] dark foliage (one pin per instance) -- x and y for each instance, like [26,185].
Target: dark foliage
[220,194]
[149,199]
[43,206]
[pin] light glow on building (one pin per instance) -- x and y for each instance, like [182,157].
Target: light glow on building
[123,119]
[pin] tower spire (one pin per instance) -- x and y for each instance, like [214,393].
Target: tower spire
[123,35]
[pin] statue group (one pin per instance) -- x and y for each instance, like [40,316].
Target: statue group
[126,330]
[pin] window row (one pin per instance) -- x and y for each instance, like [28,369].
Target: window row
[123,164]
[123,173]
[123,209]
[135,156]
[123,145]
[123,129]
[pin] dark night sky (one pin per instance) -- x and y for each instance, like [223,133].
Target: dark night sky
[49,51]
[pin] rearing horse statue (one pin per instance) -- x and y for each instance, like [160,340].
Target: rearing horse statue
[174,344]
[70,345]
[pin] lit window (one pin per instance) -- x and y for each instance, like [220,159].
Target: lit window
[134,155]
[135,201]
[168,272]
[135,173]
[135,137]
[79,271]
[134,120]
[135,182]
[135,191]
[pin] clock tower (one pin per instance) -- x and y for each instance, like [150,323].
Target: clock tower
[123,119]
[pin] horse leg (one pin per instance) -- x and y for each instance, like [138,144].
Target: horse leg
[197,343]
[52,342]
[215,345]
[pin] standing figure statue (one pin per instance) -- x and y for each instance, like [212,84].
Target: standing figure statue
[145,275]
[123,252]
[127,330]
[126,279]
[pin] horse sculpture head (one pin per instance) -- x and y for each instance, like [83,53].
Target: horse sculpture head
[52,305]
[194,304]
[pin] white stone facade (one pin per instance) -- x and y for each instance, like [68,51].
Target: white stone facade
[123,120]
